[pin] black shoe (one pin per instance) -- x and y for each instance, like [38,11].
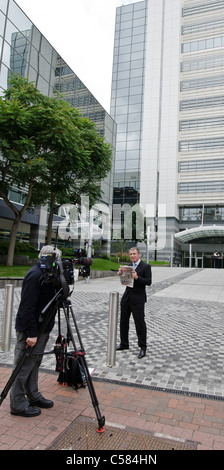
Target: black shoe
[29,412]
[43,403]
[142,353]
[121,348]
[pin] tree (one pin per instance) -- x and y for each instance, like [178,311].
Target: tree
[45,147]
[74,174]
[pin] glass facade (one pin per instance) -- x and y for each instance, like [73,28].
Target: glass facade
[127,99]
[25,51]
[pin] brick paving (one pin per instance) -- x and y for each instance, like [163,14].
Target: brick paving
[177,391]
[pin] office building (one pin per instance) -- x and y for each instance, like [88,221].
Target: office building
[167,99]
[25,51]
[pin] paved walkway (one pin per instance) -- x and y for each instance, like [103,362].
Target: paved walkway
[176,391]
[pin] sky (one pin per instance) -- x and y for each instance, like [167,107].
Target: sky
[82,32]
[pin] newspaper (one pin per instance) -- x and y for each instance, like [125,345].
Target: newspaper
[126,277]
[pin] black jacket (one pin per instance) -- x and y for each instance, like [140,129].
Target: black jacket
[34,297]
[137,294]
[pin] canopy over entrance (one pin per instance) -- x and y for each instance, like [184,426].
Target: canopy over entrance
[204,231]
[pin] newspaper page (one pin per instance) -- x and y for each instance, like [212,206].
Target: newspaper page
[126,277]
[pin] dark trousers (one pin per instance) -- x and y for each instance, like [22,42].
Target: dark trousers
[138,312]
[25,387]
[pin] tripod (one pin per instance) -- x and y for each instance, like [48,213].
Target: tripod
[60,301]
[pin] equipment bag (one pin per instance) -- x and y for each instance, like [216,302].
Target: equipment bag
[72,374]
[68,365]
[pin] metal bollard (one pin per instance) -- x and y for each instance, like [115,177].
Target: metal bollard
[7,319]
[112,328]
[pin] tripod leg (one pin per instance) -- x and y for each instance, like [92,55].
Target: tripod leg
[95,403]
[101,419]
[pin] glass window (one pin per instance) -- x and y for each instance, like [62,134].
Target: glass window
[120,146]
[201,186]
[134,117]
[125,33]
[218,42]
[123,75]
[4,77]
[122,101]
[121,136]
[139,22]
[138,38]
[124,49]
[2,23]
[137,55]
[138,30]
[204,7]
[122,89]
[124,58]
[203,44]
[136,73]
[121,110]
[123,66]
[132,164]
[201,165]
[137,64]
[139,6]
[126,16]
[134,126]
[125,41]
[6,54]
[3,5]
[135,90]
[135,109]
[199,144]
[120,155]
[133,135]
[136,81]
[135,99]
[133,144]
[119,165]
[17,17]
[209,43]
[126,24]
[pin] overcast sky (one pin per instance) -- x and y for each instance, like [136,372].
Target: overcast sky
[82,32]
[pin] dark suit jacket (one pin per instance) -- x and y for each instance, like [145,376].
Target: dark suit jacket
[137,294]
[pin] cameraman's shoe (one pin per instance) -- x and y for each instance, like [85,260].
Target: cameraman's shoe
[29,412]
[42,403]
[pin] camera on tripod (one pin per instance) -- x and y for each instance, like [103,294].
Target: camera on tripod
[58,271]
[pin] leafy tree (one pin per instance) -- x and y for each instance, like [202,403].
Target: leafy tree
[47,149]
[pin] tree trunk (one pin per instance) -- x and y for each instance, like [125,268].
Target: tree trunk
[12,242]
[15,226]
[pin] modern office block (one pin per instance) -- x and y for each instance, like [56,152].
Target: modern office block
[167,100]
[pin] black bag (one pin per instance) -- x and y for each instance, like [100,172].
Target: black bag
[68,365]
[75,374]
[72,373]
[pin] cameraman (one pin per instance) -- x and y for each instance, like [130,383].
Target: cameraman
[25,398]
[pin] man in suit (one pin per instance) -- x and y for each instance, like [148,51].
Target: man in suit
[133,301]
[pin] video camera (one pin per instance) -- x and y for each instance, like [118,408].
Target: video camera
[57,272]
